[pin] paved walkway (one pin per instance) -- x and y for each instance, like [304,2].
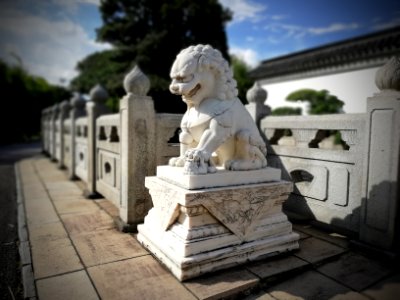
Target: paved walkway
[78,254]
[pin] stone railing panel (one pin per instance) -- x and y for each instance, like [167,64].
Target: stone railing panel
[108,178]
[326,167]
[167,128]
[81,148]
[67,142]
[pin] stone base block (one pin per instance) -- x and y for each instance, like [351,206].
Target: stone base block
[197,231]
[219,179]
[185,268]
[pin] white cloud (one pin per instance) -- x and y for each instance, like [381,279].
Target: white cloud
[333,28]
[72,5]
[249,56]
[281,32]
[385,25]
[47,48]
[244,10]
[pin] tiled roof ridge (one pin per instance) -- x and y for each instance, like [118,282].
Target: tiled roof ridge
[382,44]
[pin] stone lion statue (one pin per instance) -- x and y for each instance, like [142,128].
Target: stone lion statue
[216,129]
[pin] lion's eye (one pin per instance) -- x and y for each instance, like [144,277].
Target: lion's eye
[184,79]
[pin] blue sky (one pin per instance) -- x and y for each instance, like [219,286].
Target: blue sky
[51,36]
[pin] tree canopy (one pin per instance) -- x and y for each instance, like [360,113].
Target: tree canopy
[28,95]
[240,73]
[151,33]
[321,102]
[286,111]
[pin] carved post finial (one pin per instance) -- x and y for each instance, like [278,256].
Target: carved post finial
[136,82]
[65,107]
[98,94]
[388,76]
[78,102]
[256,94]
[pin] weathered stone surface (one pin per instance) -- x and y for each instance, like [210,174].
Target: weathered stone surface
[219,179]
[75,206]
[355,271]
[47,232]
[388,289]
[106,246]
[315,250]
[276,266]
[222,285]
[137,278]
[331,237]
[309,285]
[74,285]
[54,257]
[87,222]
[108,206]
[194,232]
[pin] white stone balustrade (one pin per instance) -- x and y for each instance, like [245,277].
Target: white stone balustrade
[352,186]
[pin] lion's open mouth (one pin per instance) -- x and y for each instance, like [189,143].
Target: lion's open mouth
[194,90]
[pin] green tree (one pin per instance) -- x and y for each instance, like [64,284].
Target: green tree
[286,111]
[321,102]
[240,73]
[27,96]
[151,34]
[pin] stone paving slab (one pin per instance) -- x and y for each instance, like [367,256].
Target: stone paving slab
[316,251]
[74,206]
[104,246]
[222,284]
[389,289]
[87,222]
[54,257]
[74,285]
[277,266]
[137,278]
[44,233]
[309,285]
[331,237]
[78,254]
[355,271]
[108,206]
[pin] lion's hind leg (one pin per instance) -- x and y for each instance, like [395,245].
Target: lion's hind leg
[247,155]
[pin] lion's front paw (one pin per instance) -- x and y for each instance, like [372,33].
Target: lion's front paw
[198,162]
[177,161]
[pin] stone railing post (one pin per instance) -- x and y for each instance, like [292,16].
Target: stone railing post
[77,104]
[43,128]
[64,113]
[137,117]
[256,97]
[381,196]
[95,108]
[53,146]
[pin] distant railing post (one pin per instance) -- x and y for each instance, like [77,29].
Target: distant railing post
[95,108]
[256,97]
[64,112]
[381,199]
[77,110]
[137,117]
[53,142]
[43,122]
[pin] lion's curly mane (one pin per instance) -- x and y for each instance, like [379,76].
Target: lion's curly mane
[212,59]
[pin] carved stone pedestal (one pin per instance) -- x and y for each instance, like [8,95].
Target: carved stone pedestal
[193,232]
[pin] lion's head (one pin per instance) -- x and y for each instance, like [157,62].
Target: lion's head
[200,72]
